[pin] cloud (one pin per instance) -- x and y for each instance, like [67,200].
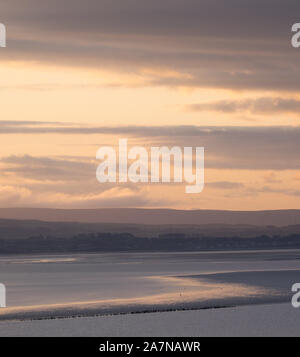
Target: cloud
[225,185]
[263,105]
[13,195]
[71,182]
[64,182]
[260,148]
[109,198]
[47,168]
[237,45]
[271,189]
[4,123]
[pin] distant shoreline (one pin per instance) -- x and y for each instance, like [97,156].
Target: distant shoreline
[125,242]
[279,217]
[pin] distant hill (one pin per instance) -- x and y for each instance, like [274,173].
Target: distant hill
[23,229]
[33,236]
[155,216]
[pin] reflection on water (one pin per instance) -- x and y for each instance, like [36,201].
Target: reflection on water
[137,278]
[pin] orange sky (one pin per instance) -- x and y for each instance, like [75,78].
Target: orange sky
[142,77]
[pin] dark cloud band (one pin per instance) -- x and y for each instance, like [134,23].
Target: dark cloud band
[212,43]
[263,148]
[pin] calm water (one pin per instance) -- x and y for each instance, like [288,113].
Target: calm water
[45,279]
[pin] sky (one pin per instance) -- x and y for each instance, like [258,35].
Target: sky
[77,75]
